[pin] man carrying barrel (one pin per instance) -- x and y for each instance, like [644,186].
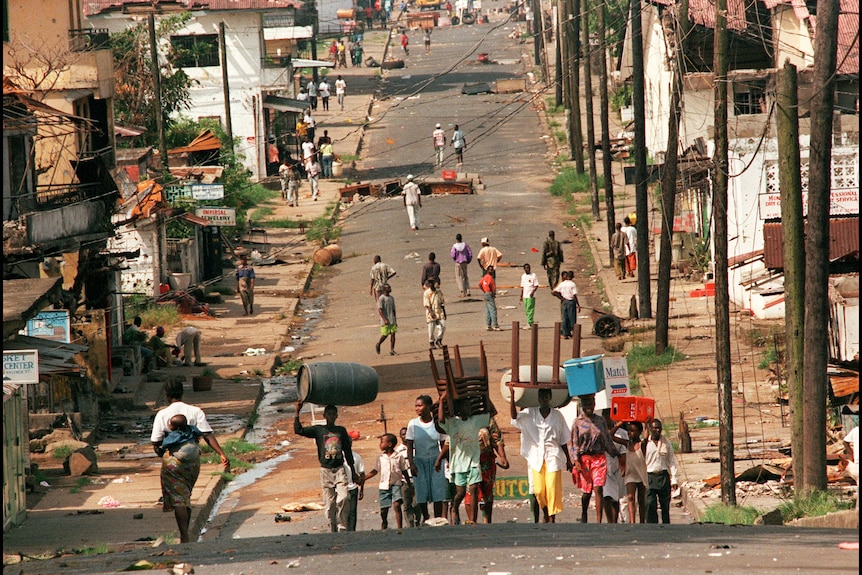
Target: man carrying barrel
[334,447]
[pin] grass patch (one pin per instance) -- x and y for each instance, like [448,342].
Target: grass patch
[283,223]
[561,159]
[209,372]
[289,367]
[152,314]
[81,482]
[323,229]
[344,158]
[643,358]
[260,213]
[560,135]
[770,356]
[257,194]
[62,452]
[100,549]
[730,514]
[815,504]
[553,124]
[232,447]
[569,182]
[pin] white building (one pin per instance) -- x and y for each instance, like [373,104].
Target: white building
[263,42]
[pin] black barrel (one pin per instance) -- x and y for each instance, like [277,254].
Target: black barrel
[337,383]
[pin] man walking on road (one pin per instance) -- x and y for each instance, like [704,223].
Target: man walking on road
[340,91]
[459,142]
[489,288]
[312,94]
[435,313]
[552,257]
[388,319]
[529,285]
[462,255]
[245,284]
[488,257]
[334,447]
[381,273]
[632,247]
[439,137]
[567,292]
[661,473]
[412,201]
[431,271]
[619,246]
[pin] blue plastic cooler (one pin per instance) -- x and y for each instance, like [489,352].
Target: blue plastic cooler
[584,375]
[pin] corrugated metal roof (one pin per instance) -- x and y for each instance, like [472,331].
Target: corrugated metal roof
[702,12]
[848,38]
[207,141]
[843,241]
[92,7]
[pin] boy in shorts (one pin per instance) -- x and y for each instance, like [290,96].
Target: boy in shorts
[392,467]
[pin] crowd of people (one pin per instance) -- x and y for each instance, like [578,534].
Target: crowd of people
[446,460]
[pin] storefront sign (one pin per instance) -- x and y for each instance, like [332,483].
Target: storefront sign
[207,191]
[21,366]
[218,216]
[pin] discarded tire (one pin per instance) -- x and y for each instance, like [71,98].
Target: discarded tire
[392,64]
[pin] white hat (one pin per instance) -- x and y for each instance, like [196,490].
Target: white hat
[485,241]
[410,178]
[438,125]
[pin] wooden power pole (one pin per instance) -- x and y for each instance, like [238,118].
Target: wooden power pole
[228,124]
[576,133]
[641,211]
[722,296]
[157,88]
[668,189]
[790,182]
[817,247]
[588,99]
[607,166]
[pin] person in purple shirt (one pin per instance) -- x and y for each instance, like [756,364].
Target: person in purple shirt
[462,255]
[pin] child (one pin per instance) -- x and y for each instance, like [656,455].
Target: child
[414,515]
[181,434]
[392,468]
[463,432]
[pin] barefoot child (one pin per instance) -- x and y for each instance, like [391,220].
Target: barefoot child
[392,468]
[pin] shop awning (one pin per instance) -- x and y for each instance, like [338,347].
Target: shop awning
[285,104]
[304,63]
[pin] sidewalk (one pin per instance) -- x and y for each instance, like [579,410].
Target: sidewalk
[69,515]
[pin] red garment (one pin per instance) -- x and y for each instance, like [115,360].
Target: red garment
[594,472]
[487,284]
[404,40]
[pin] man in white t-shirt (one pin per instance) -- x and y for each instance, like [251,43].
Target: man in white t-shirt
[567,292]
[323,90]
[439,137]
[632,248]
[412,201]
[529,285]
[340,90]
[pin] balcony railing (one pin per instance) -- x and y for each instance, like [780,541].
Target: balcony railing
[49,197]
[275,62]
[86,39]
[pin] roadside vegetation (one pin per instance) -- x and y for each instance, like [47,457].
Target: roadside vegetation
[816,504]
[730,514]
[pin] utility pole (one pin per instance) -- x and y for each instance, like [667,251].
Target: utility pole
[576,134]
[642,225]
[790,182]
[225,84]
[588,97]
[157,88]
[607,167]
[537,33]
[719,215]
[558,51]
[817,247]
[668,190]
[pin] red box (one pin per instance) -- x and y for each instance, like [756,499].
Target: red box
[450,174]
[630,408]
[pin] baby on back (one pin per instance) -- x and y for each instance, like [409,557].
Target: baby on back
[181,433]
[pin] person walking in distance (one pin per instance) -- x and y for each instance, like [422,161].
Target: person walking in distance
[489,288]
[388,319]
[435,313]
[412,197]
[544,434]
[381,273]
[311,88]
[181,465]
[439,138]
[426,37]
[404,43]
[632,247]
[340,91]
[323,90]
[459,142]
[431,271]
[529,285]
[245,284]
[488,257]
[552,257]
[313,169]
[334,447]
[462,255]
[619,246]
[661,473]
[567,292]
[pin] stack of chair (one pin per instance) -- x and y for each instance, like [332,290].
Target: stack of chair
[457,385]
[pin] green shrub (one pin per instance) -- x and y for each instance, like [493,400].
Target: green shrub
[642,358]
[814,504]
[730,514]
[62,452]
[569,182]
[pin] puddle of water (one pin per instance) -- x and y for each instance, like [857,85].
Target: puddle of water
[277,391]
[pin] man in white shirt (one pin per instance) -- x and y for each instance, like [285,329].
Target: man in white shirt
[439,137]
[632,247]
[312,94]
[567,292]
[661,473]
[323,90]
[543,438]
[529,285]
[412,201]
[340,90]
[189,340]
